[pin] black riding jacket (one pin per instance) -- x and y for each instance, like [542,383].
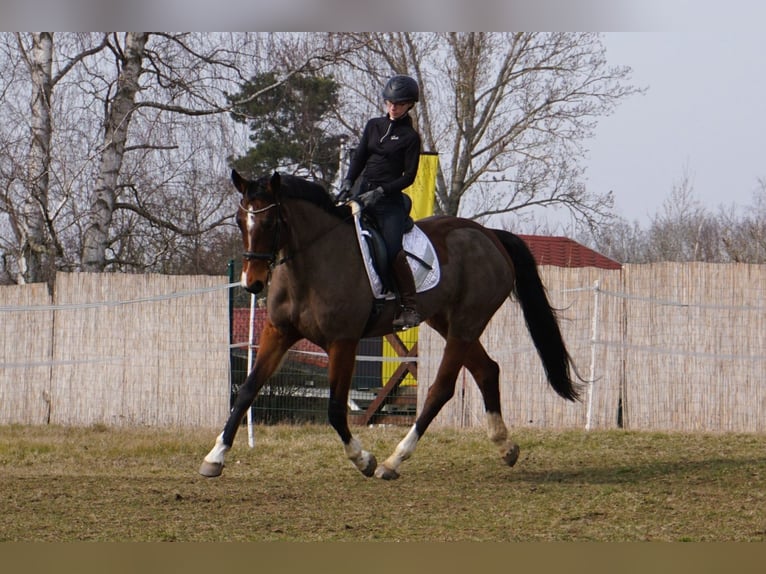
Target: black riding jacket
[389,154]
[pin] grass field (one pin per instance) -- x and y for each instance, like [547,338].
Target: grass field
[104,484]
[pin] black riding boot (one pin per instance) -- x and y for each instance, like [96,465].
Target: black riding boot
[408,314]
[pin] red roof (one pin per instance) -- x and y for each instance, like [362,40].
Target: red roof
[563,252]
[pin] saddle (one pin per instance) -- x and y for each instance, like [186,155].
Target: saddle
[421,255]
[378,252]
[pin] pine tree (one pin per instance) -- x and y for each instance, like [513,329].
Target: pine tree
[288,125]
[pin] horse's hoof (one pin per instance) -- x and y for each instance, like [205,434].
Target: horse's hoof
[211,469]
[386,473]
[372,464]
[511,455]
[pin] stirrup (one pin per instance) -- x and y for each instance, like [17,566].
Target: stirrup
[407,319]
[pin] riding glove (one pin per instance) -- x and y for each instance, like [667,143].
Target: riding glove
[345,190]
[371,197]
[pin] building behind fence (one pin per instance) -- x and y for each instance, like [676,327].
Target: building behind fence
[666,346]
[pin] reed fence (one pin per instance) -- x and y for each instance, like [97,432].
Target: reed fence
[115,349]
[668,346]
[664,346]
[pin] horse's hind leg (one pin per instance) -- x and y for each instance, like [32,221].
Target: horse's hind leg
[486,373]
[342,356]
[439,393]
[273,346]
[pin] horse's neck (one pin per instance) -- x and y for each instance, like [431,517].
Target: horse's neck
[318,241]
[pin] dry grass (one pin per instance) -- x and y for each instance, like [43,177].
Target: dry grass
[72,484]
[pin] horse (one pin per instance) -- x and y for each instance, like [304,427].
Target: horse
[303,246]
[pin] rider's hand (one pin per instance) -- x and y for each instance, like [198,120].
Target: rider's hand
[345,191]
[371,197]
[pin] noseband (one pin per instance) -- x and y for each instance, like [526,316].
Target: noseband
[271,256]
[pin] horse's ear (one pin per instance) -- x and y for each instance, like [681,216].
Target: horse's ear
[275,182]
[239,182]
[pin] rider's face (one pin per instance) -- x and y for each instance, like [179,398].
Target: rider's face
[397,109]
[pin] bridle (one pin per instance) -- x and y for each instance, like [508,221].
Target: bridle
[270,256]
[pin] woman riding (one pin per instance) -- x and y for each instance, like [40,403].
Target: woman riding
[387,158]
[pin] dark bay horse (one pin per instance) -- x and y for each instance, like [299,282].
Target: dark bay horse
[303,246]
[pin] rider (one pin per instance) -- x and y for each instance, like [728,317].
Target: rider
[387,158]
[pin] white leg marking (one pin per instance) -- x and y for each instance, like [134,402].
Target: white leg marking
[354,452]
[216,455]
[496,429]
[498,434]
[403,450]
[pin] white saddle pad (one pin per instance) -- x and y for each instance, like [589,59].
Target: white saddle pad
[415,242]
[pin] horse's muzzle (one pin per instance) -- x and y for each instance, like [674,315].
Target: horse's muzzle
[254,288]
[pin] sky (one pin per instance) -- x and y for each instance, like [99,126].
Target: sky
[703,116]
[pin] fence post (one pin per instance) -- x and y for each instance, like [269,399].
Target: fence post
[230,273]
[250,345]
[593,339]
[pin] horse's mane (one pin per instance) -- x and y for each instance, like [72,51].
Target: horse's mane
[295,187]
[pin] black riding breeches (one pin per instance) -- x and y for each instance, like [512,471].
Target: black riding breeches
[390,214]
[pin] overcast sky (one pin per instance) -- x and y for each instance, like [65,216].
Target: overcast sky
[703,115]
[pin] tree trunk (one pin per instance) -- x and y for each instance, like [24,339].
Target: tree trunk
[96,237]
[36,249]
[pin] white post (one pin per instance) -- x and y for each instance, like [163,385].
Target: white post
[250,345]
[593,339]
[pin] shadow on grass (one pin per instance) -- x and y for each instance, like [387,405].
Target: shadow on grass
[650,471]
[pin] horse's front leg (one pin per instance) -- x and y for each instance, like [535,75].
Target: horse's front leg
[273,346]
[342,357]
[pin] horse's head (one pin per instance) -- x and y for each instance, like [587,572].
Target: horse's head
[259,220]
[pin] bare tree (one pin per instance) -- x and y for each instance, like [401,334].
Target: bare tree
[26,201]
[96,238]
[619,240]
[134,176]
[743,237]
[135,172]
[508,113]
[186,78]
[14,138]
[32,224]
[683,229]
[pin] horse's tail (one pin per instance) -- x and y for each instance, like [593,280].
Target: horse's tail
[540,317]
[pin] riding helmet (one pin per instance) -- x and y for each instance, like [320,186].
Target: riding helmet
[401,88]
